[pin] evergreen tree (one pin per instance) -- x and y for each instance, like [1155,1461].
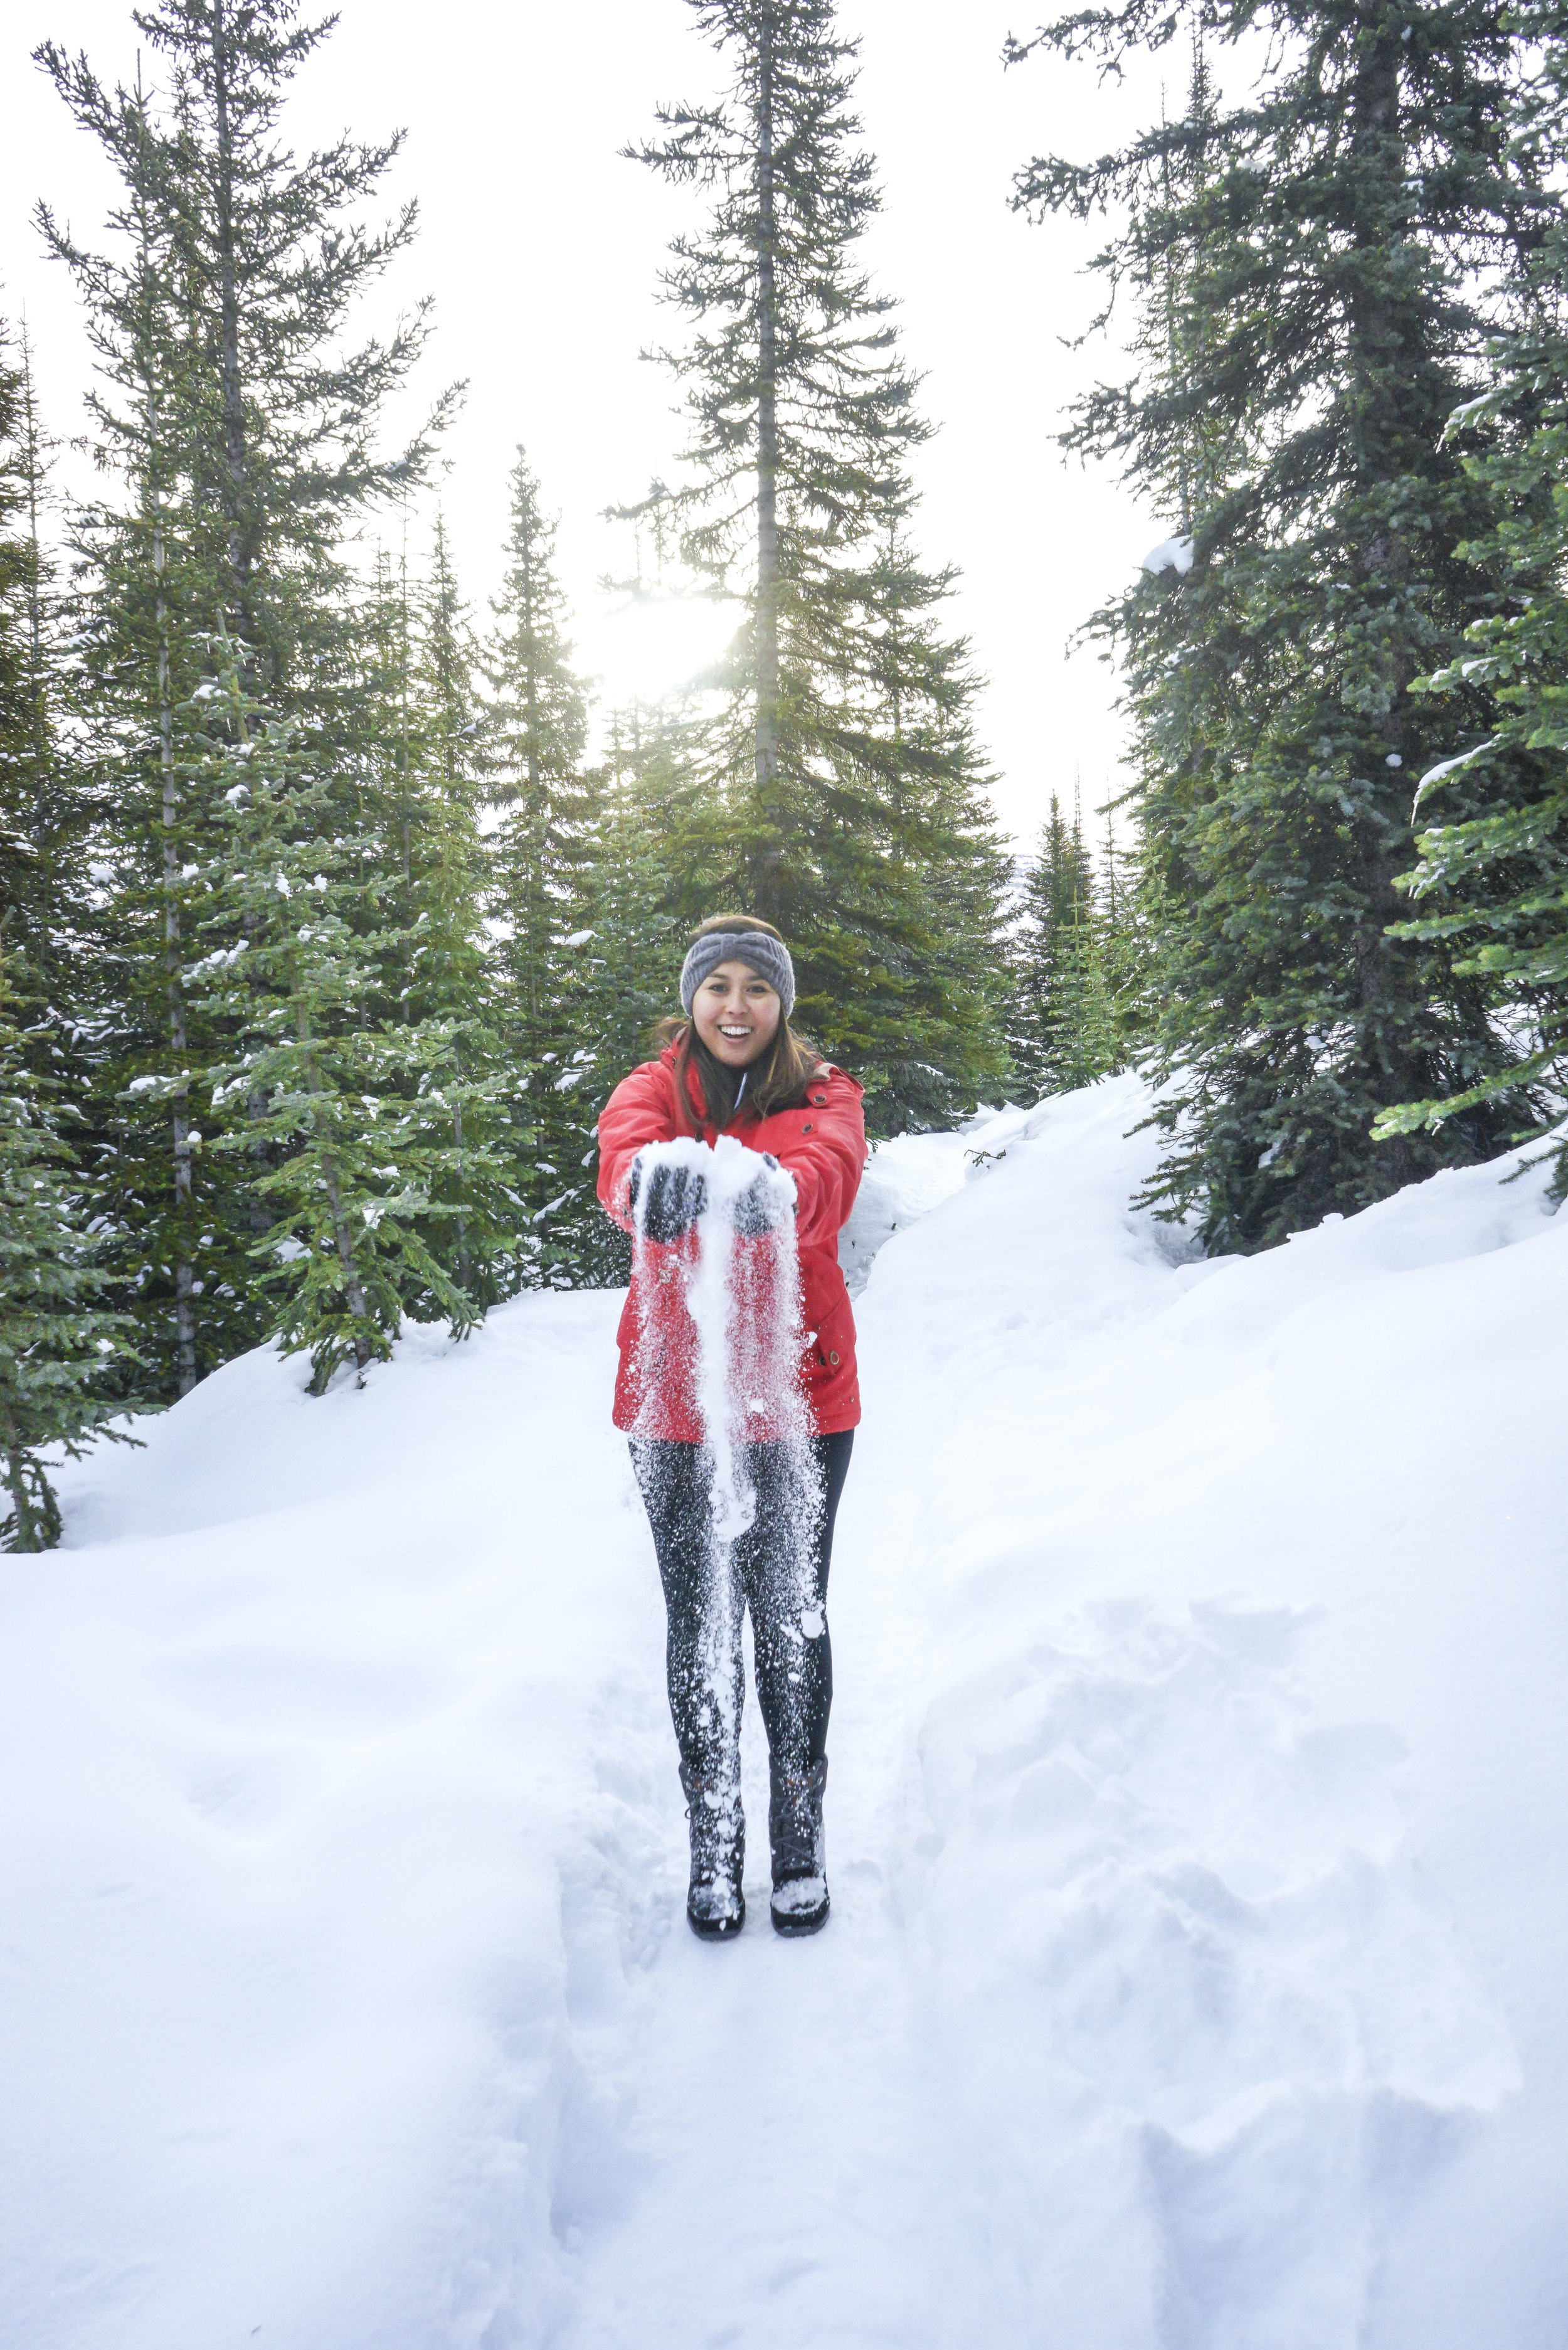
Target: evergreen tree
[355,1110]
[654,875]
[239,422]
[1497,882]
[1126,928]
[850,798]
[418,817]
[1313,265]
[46,807]
[151,572]
[542,850]
[455,963]
[62,1356]
[1065,1022]
[277,421]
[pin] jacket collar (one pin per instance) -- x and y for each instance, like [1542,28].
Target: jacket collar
[823,1072]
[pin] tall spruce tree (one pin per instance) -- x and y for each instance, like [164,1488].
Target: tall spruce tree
[1315,266]
[535,734]
[419,830]
[850,794]
[279,421]
[46,805]
[455,976]
[1495,885]
[150,572]
[238,421]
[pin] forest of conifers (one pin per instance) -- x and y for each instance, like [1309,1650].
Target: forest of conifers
[330,910]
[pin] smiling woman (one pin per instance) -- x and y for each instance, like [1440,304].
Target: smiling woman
[738,984]
[736,1013]
[735,1159]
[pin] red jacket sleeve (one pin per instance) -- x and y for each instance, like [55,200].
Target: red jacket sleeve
[640,1110]
[826,1157]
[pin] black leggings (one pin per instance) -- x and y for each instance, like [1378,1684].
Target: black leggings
[777,1567]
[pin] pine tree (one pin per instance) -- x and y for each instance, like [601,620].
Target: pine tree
[353,1108]
[849,794]
[1064,1032]
[455,963]
[64,1360]
[46,804]
[1314,265]
[278,427]
[153,574]
[418,814]
[543,846]
[239,422]
[1126,929]
[1496,884]
[62,1356]
[654,875]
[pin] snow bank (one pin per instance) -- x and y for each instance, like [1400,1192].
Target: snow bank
[1197,1823]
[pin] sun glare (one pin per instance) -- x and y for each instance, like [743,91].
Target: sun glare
[647,649]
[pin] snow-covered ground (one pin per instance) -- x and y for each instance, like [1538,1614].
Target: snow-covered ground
[1197,1825]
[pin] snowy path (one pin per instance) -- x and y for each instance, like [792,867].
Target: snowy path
[1198,1817]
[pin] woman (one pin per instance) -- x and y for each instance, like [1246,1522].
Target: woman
[734,1067]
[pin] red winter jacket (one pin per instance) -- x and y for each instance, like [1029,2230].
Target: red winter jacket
[823,1144]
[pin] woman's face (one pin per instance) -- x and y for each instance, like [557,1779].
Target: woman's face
[736,1013]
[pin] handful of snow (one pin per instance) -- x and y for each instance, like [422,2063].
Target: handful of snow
[745,1304]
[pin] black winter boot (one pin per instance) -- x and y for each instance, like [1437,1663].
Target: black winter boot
[715,1904]
[800,1904]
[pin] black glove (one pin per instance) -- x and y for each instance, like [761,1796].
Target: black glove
[676,1198]
[759,1208]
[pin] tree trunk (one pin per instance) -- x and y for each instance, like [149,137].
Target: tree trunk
[533,821]
[1383,371]
[464,1273]
[42,826]
[184,1276]
[25,1536]
[231,390]
[239,545]
[766,622]
[353,1287]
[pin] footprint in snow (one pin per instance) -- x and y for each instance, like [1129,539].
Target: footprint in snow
[1186,1976]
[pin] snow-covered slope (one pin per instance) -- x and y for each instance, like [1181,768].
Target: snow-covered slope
[1197,1825]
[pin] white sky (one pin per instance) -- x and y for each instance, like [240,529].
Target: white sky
[543,248]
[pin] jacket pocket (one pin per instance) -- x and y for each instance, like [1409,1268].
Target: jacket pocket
[834,1345]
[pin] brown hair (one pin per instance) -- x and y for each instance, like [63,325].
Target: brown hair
[776,1080]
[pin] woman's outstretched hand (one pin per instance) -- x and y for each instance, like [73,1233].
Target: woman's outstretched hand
[671,1198]
[764,1203]
[676,1198]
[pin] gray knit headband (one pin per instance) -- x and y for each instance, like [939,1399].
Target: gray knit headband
[769,958]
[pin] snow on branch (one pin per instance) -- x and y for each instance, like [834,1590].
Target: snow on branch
[1434,775]
[1170,554]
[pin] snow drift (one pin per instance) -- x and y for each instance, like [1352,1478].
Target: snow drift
[1197,1825]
